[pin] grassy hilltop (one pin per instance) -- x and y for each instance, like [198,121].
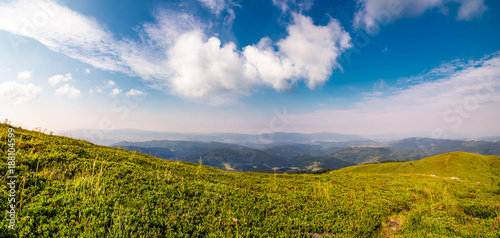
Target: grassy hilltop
[72,188]
[483,169]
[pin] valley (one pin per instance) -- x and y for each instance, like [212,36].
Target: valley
[286,154]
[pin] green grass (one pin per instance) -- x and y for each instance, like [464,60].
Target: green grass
[72,188]
[465,166]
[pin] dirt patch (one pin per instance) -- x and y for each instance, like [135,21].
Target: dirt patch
[394,222]
[317,235]
[391,227]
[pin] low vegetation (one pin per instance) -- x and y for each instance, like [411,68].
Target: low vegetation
[72,188]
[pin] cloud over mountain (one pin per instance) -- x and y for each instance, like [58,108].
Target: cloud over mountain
[177,55]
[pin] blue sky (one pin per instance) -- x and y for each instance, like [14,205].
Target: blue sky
[369,67]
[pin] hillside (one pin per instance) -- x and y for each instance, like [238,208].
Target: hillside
[357,152]
[158,152]
[236,158]
[462,165]
[72,188]
[439,146]
[289,151]
[362,154]
[313,163]
[172,147]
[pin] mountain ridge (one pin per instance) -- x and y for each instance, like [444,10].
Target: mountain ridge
[109,137]
[402,150]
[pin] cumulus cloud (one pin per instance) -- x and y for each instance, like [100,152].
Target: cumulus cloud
[18,92]
[87,71]
[115,91]
[371,13]
[59,78]
[314,49]
[207,68]
[462,101]
[69,91]
[25,75]
[134,92]
[309,52]
[175,54]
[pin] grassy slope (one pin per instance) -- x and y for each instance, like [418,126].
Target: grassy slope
[305,161]
[465,166]
[360,155]
[72,188]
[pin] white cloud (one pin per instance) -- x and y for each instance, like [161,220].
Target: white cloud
[309,52]
[293,5]
[69,91]
[463,101]
[134,92]
[470,9]
[19,93]
[59,78]
[204,69]
[110,83]
[115,91]
[87,71]
[371,13]
[229,19]
[216,6]
[47,22]
[175,55]
[25,75]
[314,49]
[169,25]
[273,68]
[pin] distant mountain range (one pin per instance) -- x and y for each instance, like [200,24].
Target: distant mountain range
[109,137]
[315,155]
[173,148]
[432,147]
[491,138]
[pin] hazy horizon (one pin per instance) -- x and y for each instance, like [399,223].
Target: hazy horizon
[369,68]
